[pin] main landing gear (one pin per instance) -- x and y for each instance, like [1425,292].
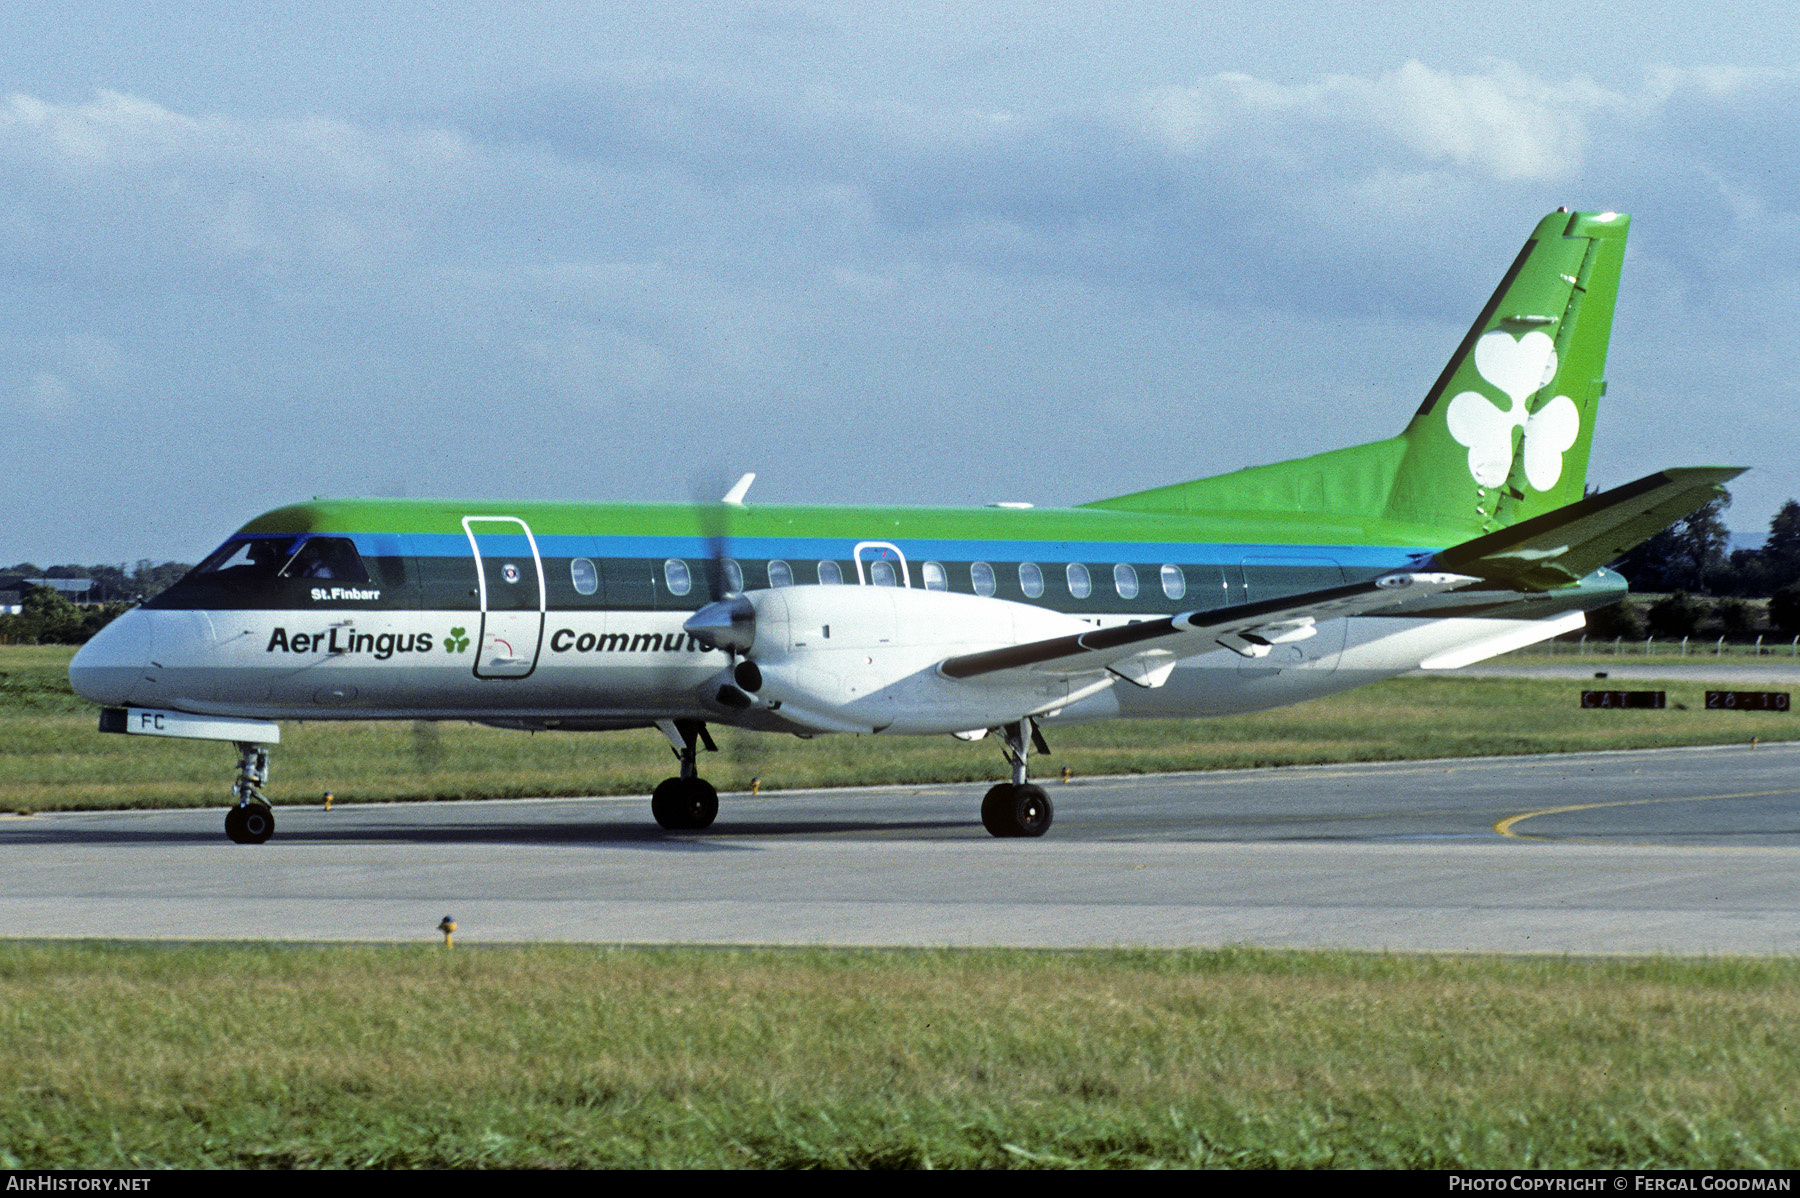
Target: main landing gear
[687,803]
[1018,808]
[250,819]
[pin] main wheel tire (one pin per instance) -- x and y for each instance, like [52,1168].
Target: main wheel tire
[685,804]
[253,824]
[1010,810]
[259,823]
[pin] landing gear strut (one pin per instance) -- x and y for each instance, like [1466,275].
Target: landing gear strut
[1018,808]
[687,803]
[250,819]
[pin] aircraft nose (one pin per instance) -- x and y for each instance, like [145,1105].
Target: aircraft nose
[106,668]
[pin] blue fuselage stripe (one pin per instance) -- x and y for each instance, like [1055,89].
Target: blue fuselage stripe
[916,550]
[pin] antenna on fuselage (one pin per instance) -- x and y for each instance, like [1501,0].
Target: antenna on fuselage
[735,496]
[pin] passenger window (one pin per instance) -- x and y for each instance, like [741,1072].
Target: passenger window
[1125,581]
[335,558]
[830,575]
[780,574]
[734,577]
[1031,579]
[882,574]
[677,577]
[1080,584]
[582,574]
[935,578]
[1174,582]
[981,577]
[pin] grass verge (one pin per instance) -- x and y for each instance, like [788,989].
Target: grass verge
[235,1056]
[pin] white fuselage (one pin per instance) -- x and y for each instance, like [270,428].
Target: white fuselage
[624,668]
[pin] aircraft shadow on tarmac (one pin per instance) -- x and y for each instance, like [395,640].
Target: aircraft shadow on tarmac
[722,836]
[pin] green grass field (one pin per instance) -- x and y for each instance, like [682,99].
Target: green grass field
[235,1056]
[51,757]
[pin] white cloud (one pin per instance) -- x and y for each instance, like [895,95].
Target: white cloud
[121,180]
[1500,123]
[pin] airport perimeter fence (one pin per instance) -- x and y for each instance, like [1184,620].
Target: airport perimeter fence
[1651,646]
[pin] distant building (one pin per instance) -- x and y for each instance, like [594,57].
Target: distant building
[75,590]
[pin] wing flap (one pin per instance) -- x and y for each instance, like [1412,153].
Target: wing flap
[1248,628]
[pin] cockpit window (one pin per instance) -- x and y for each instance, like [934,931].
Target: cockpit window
[327,557]
[255,559]
[273,570]
[247,558]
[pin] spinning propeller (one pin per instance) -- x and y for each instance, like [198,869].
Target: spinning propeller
[728,621]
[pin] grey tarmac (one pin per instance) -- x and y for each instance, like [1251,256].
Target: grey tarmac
[1680,851]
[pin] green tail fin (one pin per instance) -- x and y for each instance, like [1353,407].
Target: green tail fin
[1504,433]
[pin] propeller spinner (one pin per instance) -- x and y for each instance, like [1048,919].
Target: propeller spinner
[727,623]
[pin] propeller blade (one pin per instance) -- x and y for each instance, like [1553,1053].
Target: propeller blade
[722,579]
[728,622]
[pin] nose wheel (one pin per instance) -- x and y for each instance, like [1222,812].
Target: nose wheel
[250,820]
[253,824]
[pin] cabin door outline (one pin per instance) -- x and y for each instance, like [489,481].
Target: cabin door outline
[510,584]
[869,552]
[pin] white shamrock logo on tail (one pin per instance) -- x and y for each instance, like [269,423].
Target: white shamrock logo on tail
[1518,369]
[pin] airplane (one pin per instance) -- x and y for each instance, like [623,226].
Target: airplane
[1469,534]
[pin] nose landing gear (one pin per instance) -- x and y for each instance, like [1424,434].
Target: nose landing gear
[250,819]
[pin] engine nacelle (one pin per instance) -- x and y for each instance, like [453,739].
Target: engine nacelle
[864,659]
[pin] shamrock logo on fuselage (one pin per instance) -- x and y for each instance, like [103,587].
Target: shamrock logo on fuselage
[457,641]
[1518,369]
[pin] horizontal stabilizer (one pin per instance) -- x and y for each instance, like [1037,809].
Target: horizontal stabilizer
[1566,545]
[1245,628]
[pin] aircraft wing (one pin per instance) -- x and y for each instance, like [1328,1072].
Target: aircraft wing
[1247,628]
[1566,545]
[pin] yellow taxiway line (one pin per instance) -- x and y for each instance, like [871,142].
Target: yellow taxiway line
[1505,826]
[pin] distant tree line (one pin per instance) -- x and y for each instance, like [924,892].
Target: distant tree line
[48,617]
[1706,587]
[112,584]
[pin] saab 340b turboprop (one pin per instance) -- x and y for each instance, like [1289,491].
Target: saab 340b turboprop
[1465,536]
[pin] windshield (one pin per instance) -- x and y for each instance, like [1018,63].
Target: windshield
[327,557]
[247,558]
[282,570]
[252,559]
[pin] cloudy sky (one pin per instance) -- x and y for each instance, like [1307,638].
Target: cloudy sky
[887,253]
